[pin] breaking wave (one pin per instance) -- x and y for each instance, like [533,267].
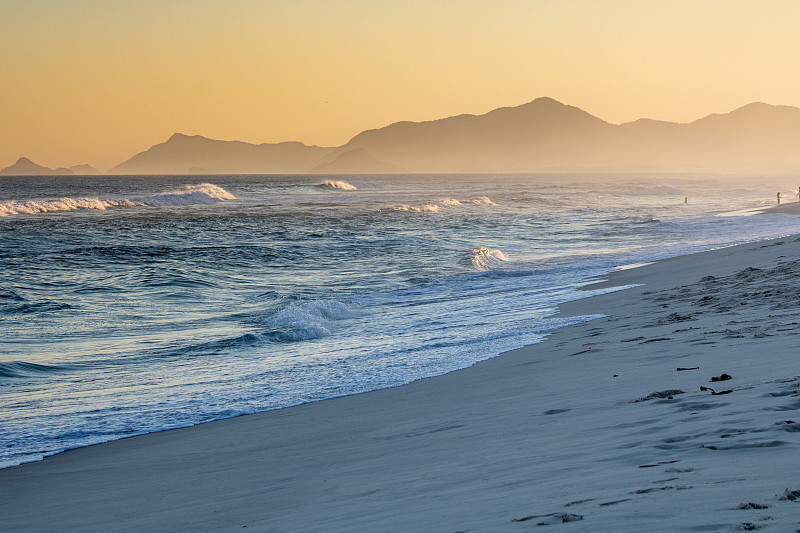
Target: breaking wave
[428,208]
[199,194]
[482,200]
[645,219]
[301,321]
[485,258]
[339,185]
[445,202]
[450,201]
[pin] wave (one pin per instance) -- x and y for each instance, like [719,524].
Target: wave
[199,194]
[450,202]
[482,200]
[445,202]
[428,208]
[301,321]
[36,307]
[485,258]
[645,219]
[339,185]
[32,207]
[22,369]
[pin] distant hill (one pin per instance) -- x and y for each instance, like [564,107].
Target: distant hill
[26,167]
[184,154]
[541,136]
[84,170]
[355,161]
[546,135]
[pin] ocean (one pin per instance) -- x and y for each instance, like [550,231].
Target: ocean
[133,304]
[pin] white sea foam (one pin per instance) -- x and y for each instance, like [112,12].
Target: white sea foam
[200,194]
[645,219]
[32,207]
[301,321]
[428,208]
[482,200]
[340,185]
[450,202]
[445,202]
[485,258]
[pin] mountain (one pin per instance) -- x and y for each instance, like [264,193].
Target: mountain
[546,135]
[84,170]
[543,135]
[182,154]
[355,161]
[26,167]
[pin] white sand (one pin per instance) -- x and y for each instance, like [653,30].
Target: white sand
[543,435]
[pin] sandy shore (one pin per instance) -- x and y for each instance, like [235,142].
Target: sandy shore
[596,429]
[792,208]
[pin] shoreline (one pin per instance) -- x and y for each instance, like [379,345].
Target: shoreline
[567,429]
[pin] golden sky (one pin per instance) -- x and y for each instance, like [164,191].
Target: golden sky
[96,81]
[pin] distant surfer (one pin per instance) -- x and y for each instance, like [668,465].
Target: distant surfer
[779,198]
[686,200]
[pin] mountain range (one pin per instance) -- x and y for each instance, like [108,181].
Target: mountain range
[541,136]
[26,167]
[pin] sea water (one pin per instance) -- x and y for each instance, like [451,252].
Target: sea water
[132,304]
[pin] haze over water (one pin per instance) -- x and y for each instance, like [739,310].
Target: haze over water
[135,304]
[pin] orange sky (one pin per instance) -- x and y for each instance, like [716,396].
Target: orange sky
[96,81]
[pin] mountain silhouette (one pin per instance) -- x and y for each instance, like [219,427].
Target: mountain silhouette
[543,135]
[26,167]
[355,161]
[183,154]
[84,170]
[546,135]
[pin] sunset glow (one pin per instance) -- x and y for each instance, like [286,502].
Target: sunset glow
[97,81]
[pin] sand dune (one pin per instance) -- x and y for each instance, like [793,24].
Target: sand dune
[616,424]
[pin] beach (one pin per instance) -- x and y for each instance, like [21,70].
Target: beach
[612,424]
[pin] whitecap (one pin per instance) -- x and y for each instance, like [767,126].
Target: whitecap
[482,200]
[199,194]
[428,208]
[308,320]
[339,185]
[452,202]
[486,258]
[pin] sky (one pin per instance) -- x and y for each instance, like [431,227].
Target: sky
[97,81]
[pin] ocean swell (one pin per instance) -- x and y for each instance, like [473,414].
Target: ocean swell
[199,194]
[23,369]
